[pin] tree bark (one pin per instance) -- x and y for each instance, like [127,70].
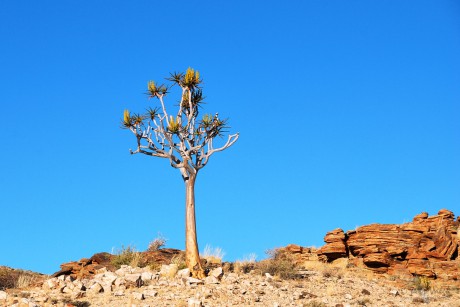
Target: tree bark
[192,256]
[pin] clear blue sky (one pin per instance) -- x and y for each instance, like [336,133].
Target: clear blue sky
[348,113]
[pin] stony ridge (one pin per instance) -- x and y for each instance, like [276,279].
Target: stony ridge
[427,246]
[323,286]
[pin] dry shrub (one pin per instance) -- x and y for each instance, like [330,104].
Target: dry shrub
[246,265]
[331,272]
[243,267]
[422,283]
[157,243]
[179,260]
[7,280]
[278,264]
[127,256]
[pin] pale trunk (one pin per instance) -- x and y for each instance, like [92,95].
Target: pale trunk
[192,257]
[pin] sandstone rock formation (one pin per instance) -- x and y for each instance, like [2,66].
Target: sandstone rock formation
[87,267]
[427,246]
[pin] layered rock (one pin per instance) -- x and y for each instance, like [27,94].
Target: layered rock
[427,246]
[335,247]
[87,267]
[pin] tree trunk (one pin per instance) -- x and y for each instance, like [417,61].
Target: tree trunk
[192,257]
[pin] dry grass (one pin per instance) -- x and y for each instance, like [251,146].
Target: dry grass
[213,254]
[179,260]
[278,264]
[127,256]
[24,280]
[246,265]
[7,280]
[14,278]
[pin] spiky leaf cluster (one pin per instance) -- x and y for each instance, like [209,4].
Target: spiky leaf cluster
[174,125]
[213,126]
[155,90]
[191,78]
[196,96]
[126,122]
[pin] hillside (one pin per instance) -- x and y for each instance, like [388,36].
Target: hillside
[411,264]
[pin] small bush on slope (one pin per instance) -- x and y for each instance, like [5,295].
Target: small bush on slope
[126,256]
[279,264]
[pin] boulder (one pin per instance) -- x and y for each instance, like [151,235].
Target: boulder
[335,247]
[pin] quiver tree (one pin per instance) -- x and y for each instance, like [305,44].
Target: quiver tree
[185,139]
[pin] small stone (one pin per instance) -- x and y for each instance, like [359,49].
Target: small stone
[66,290]
[394,292]
[348,296]
[132,277]
[211,280]
[107,288]
[207,293]
[217,273]
[146,276]
[3,295]
[193,302]
[109,278]
[101,270]
[78,294]
[365,292]
[96,288]
[150,293]
[195,281]
[119,293]
[138,296]
[268,277]
[184,273]
[119,281]
[169,270]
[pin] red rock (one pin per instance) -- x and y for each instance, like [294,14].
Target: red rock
[420,267]
[335,235]
[414,253]
[294,249]
[420,217]
[377,260]
[416,247]
[446,213]
[335,247]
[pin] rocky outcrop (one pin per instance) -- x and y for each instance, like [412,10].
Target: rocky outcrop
[427,246]
[87,267]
